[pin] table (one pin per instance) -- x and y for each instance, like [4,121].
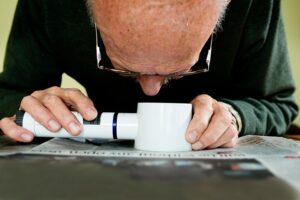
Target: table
[60,177]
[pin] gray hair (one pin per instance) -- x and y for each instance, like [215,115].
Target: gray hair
[218,27]
[221,19]
[88,4]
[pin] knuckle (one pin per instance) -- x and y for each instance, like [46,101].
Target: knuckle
[224,113]
[202,99]
[67,117]
[72,92]
[26,100]
[225,117]
[232,133]
[203,107]
[231,143]
[205,96]
[53,89]
[208,139]
[43,119]
[37,93]
[4,121]
[49,98]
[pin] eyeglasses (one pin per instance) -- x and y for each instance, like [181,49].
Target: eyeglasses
[135,75]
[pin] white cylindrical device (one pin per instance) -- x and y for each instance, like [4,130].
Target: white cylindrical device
[105,126]
[162,126]
[155,127]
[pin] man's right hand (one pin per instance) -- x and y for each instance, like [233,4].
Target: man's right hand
[51,108]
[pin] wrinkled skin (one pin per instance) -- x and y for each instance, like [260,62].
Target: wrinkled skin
[155,37]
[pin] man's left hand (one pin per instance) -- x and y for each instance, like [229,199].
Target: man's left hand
[212,125]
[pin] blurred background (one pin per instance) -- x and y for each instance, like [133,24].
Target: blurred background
[291,13]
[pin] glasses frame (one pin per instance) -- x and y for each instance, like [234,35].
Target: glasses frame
[131,74]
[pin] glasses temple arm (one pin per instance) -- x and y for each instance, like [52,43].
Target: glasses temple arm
[98,54]
[208,57]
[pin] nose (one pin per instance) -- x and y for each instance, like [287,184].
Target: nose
[151,85]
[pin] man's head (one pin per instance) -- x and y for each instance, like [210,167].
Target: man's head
[155,37]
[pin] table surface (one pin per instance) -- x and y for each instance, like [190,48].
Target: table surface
[59,177]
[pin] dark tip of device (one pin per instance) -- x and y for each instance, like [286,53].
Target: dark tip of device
[19,117]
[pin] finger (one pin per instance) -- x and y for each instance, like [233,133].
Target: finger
[77,100]
[220,122]
[231,143]
[74,98]
[62,113]
[203,111]
[15,132]
[230,135]
[40,113]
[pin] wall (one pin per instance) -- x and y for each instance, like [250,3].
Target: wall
[7,8]
[291,15]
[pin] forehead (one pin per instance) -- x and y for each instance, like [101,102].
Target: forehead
[136,6]
[162,36]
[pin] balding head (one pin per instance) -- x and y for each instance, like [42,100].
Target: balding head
[155,36]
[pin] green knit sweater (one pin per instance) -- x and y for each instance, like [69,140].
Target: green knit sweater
[250,69]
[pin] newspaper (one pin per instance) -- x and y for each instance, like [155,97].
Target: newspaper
[9,147]
[124,149]
[247,147]
[280,155]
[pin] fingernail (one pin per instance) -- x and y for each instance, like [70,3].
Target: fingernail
[197,146]
[54,125]
[75,129]
[92,112]
[26,137]
[193,136]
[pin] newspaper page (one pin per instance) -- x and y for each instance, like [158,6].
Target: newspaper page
[9,147]
[280,155]
[247,147]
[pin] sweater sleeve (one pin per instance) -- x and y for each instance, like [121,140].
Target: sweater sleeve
[29,63]
[263,74]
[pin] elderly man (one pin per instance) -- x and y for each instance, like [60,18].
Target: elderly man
[233,66]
